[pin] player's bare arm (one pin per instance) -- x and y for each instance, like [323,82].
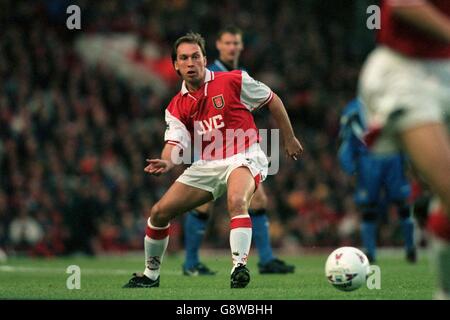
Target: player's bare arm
[163,165]
[291,144]
[426,17]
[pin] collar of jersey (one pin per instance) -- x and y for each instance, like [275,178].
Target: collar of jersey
[209,76]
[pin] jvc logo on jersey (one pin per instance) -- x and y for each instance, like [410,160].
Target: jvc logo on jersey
[206,126]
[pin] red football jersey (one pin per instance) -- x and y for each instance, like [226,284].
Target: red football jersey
[408,39]
[217,117]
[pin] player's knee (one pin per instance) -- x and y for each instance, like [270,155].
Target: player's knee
[237,204]
[158,217]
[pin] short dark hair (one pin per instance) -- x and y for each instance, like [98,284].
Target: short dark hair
[190,37]
[229,29]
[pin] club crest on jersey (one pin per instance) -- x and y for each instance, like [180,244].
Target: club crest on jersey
[218,101]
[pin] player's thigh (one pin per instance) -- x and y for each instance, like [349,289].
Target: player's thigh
[240,189]
[429,149]
[259,200]
[181,198]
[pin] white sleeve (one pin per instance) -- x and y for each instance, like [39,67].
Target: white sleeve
[176,132]
[254,94]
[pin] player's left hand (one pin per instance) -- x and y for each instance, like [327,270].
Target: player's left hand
[157,166]
[293,148]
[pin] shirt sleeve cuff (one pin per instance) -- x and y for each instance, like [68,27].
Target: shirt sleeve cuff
[175,143]
[269,98]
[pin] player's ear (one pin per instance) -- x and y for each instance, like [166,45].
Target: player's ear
[177,67]
[205,61]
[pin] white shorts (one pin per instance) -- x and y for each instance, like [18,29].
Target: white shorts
[400,93]
[212,175]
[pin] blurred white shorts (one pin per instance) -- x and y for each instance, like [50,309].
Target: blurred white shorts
[401,93]
[212,175]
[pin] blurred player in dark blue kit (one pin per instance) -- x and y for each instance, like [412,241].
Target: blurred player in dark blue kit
[230,45]
[380,181]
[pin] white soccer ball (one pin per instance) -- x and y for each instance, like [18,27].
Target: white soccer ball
[347,268]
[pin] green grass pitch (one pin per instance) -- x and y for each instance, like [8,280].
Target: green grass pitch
[102,278]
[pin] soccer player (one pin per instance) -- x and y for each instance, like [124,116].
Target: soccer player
[214,111]
[405,88]
[230,45]
[380,181]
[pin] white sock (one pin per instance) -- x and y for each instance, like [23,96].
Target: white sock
[440,257]
[240,239]
[439,229]
[155,244]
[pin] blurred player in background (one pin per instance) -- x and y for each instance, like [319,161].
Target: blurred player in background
[405,88]
[208,106]
[380,181]
[230,45]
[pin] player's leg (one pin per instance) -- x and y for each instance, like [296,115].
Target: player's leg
[240,188]
[439,230]
[429,149]
[177,200]
[268,263]
[420,206]
[399,190]
[369,201]
[440,255]
[194,231]
[413,115]
[260,225]
[407,225]
[369,217]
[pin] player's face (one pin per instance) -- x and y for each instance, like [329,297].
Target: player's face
[191,62]
[230,46]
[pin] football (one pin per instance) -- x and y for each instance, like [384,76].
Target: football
[347,268]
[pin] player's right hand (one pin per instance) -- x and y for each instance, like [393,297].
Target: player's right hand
[157,166]
[293,148]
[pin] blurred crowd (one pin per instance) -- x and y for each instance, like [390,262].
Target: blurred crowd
[74,138]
